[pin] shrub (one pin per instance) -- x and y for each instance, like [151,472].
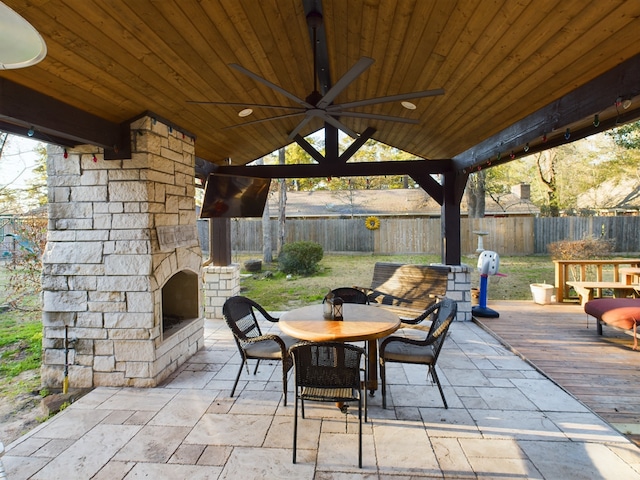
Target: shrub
[25,267]
[300,257]
[586,249]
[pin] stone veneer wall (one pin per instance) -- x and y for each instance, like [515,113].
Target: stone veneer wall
[459,289]
[220,283]
[103,266]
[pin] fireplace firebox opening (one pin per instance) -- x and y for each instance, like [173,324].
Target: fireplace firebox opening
[179,302]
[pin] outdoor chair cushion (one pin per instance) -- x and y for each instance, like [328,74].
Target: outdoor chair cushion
[617,312]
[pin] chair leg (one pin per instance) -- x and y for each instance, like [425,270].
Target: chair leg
[434,376]
[384,384]
[284,383]
[235,384]
[295,427]
[360,429]
[255,370]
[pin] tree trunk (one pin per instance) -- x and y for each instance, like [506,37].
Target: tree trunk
[476,194]
[546,162]
[267,250]
[282,202]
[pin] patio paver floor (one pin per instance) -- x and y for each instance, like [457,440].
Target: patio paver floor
[505,420]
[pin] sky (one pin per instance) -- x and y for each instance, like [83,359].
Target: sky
[17,161]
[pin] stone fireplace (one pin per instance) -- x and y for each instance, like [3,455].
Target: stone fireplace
[122,270]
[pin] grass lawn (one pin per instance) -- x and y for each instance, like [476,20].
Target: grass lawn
[277,292]
[20,343]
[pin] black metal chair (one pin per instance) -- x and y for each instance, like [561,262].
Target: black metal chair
[328,372]
[351,295]
[239,315]
[420,322]
[418,347]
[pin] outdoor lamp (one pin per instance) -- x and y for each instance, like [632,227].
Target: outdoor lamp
[337,308]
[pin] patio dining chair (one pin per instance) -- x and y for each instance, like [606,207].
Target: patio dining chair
[239,314]
[351,295]
[328,372]
[414,346]
[419,321]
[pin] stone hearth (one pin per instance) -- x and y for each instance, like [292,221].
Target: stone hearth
[122,270]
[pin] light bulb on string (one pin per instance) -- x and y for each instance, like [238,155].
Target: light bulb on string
[596,120]
[513,155]
[544,138]
[65,154]
[526,148]
[567,134]
[31,132]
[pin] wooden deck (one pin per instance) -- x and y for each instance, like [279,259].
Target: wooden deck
[601,371]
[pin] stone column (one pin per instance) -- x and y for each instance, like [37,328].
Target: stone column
[220,283]
[459,289]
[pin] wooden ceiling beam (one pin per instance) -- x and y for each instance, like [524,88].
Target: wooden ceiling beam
[322,53]
[413,168]
[586,101]
[53,121]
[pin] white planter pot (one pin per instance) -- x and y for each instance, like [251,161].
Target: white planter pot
[542,293]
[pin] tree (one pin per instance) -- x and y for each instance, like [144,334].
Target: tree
[546,162]
[37,186]
[282,204]
[476,194]
[14,197]
[627,136]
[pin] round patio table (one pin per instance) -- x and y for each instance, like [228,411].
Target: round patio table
[360,323]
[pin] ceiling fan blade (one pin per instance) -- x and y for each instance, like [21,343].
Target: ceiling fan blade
[300,126]
[247,105]
[390,98]
[373,116]
[261,120]
[339,125]
[273,86]
[353,73]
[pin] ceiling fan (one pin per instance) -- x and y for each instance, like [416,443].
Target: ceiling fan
[316,105]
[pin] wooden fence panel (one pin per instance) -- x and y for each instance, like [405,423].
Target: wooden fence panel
[624,231]
[422,235]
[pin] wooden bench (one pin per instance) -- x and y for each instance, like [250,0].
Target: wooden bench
[585,289]
[407,289]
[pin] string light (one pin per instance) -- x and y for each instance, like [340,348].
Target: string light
[513,155]
[596,121]
[31,132]
[65,154]
[544,138]
[567,134]
[95,159]
[526,148]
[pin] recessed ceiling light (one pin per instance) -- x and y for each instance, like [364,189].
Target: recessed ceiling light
[20,44]
[245,112]
[408,105]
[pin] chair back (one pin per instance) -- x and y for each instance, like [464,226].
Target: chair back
[447,310]
[351,295]
[239,316]
[327,364]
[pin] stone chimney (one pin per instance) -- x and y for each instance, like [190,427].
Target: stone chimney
[122,268]
[522,191]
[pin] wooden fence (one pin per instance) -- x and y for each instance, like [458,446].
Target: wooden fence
[398,235]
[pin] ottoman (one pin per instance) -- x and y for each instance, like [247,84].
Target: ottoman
[623,313]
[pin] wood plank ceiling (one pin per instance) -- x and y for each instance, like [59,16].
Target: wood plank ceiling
[499,62]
